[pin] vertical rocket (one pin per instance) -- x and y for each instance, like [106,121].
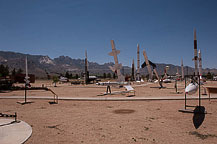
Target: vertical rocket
[182,70]
[133,69]
[26,77]
[86,76]
[200,63]
[177,71]
[138,64]
[195,53]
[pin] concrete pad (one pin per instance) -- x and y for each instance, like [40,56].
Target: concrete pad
[12,132]
[136,98]
[24,102]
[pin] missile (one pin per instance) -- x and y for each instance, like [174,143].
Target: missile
[148,65]
[114,52]
[200,63]
[111,83]
[117,67]
[133,67]
[195,53]
[182,70]
[165,72]
[86,76]
[26,69]
[86,62]
[138,63]
[26,77]
[177,71]
[191,88]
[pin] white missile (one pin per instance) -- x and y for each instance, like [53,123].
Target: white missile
[167,80]
[111,83]
[191,88]
[26,77]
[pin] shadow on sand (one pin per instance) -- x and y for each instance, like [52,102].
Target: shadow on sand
[199,116]
[123,111]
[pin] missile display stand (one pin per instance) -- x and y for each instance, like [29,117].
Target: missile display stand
[10,116]
[108,89]
[25,97]
[185,110]
[27,83]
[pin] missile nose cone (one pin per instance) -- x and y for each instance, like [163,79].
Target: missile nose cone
[195,38]
[86,53]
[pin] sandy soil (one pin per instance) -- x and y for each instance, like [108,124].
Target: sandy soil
[111,122]
[114,122]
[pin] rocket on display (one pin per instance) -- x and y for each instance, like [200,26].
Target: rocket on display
[183,76]
[117,67]
[133,72]
[147,63]
[138,64]
[195,53]
[86,75]
[26,77]
[193,87]
[200,64]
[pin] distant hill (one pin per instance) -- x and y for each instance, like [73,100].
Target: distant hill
[42,65]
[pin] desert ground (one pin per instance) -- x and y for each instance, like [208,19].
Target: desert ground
[145,89]
[111,122]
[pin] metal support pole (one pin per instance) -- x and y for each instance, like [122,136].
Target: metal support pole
[185,93]
[199,92]
[176,86]
[15,117]
[25,92]
[108,89]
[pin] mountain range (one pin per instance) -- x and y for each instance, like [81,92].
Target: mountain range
[41,65]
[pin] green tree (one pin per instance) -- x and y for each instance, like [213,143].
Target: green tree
[13,72]
[67,75]
[76,76]
[147,76]
[55,80]
[143,77]
[109,75]
[114,76]
[4,70]
[209,76]
[104,75]
[70,76]
[20,71]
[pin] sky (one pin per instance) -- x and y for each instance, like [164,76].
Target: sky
[163,28]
